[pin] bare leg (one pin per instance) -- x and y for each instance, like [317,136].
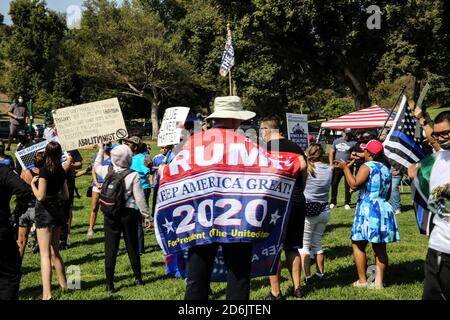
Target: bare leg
[306,262]
[382,262]
[57,261]
[359,253]
[22,239]
[275,281]
[94,210]
[320,263]
[44,236]
[294,264]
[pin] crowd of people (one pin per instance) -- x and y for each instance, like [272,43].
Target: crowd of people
[124,177]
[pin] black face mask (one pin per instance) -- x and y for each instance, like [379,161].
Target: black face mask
[445,144]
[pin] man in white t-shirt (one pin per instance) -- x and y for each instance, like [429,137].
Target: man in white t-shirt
[433,174]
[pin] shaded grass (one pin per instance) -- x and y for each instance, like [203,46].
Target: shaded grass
[403,279]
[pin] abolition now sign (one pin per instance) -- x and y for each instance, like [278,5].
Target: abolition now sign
[89,124]
[172,126]
[297,128]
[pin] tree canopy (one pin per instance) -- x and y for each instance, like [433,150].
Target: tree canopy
[315,57]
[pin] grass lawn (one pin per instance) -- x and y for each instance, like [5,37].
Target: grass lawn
[404,276]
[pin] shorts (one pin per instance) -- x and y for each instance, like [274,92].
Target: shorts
[295,225]
[27,219]
[49,213]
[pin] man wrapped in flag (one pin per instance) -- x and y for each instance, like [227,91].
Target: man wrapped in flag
[223,201]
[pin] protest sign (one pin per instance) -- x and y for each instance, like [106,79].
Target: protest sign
[26,155]
[89,124]
[297,129]
[170,130]
[223,188]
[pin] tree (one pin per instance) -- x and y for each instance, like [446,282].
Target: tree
[129,48]
[31,48]
[417,44]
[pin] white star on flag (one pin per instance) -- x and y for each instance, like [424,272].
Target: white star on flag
[168,226]
[275,217]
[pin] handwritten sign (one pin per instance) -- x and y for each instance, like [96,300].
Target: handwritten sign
[297,126]
[89,124]
[171,129]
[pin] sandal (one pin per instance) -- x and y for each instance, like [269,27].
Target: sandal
[357,284]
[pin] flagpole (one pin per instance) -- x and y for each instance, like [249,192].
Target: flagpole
[392,110]
[229,72]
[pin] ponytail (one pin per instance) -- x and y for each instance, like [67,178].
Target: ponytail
[314,153]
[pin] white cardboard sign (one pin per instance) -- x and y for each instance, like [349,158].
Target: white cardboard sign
[170,130]
[89,124]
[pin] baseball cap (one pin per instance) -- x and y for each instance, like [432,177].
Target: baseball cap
[348,130]
[373,146]
[134,139]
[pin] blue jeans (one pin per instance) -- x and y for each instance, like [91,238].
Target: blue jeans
[395,193]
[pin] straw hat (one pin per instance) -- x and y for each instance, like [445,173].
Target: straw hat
[230,108]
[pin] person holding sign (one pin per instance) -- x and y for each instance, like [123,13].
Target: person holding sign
[126,219]
[49,188]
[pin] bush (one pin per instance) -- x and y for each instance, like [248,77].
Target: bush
[337,107]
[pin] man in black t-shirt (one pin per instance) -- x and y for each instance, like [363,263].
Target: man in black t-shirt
[74,162]
[270,132]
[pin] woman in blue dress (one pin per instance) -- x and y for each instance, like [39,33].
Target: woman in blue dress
[374,219]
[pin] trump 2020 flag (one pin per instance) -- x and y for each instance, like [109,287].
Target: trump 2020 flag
[227,56]
[223,188]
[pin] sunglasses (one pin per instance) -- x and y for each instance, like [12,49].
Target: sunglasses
[442,134]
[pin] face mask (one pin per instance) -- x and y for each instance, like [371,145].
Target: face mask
[2,151]
[445,145]
[20,100]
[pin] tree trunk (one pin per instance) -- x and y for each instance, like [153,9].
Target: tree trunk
[359,88]
[154,118]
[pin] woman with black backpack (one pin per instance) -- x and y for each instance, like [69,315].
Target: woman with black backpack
[121,200]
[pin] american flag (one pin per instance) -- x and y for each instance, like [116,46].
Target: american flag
[227,56]
[402,149]
[401,146]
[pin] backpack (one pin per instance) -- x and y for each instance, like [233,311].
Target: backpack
[112,197]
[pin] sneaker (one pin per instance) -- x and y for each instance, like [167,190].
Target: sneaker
[270,296]
[90,232]
[319,276]
[357,284]
[332,205]
[309,280]
[347,207]
[298,294]
[397,212]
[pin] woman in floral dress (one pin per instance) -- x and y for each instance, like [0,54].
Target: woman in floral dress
[374,219]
